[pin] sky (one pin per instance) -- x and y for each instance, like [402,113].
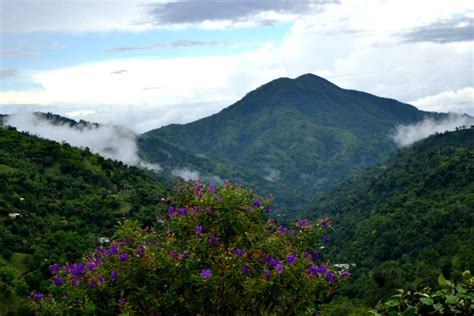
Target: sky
[144,64]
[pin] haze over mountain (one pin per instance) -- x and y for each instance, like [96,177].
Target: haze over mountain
[301,135]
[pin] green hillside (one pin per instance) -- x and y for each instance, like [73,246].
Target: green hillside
[306,132]
[55,202]
[407,220]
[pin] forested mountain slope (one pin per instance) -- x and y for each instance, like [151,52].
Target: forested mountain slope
[55,201]
[408,219]
[299,135]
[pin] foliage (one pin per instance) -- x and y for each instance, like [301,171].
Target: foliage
[55,202]
[407,220]
[215,253]
[451,299]
[289,138]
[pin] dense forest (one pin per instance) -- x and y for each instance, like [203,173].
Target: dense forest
[408,220]
[398,225]
[55,202]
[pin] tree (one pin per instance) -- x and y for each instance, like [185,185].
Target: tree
[215,252]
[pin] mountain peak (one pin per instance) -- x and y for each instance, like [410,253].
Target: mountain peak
[311,76]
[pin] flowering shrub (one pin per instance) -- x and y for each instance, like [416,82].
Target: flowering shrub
[215,252]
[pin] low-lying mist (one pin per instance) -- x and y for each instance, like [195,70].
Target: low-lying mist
[406,135]
[110,141]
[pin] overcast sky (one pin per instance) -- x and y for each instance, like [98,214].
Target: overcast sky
[145,64]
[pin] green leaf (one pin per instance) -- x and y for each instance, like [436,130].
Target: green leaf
[441,280]
[410,311]
[452,299]
[426,300]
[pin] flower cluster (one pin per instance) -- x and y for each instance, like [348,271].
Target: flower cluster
[212,244]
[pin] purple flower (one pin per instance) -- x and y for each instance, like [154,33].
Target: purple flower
[93,263]
[322,269]
[124,241]
[121,301]
[246,269]
[54,268]
[37,296]
[58,281]
[198,229]
[141,250]
[197,187]
[185,256]
[113,249]
[330,277]
[182,212]
[315,256]
[307,255]
[268,259]
[205,273]
[213,240]
[291,232]
[325,239]
[279,269]
[312,270]
[100,250]
[174,254]
[267,210]
[75,282]
[91,283]
[281,229]
[123,257]
[211,188]
[256,202]
[239,252]
[100,279]
[171,211]
[291,259]
[303,223]
[345,274]
[78,269]
[267,274]
[324,223]
[113,276]
[274,263]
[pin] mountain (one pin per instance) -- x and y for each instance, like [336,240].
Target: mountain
[407,220]
[299,136]
[55,202]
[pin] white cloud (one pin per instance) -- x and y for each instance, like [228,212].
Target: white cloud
[273,175]
[141,15]
[186,174]
[459,101]
[406,135]
[356,45]
[73,15]
[109,141]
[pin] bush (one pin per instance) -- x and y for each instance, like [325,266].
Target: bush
[450,299]
[215,252]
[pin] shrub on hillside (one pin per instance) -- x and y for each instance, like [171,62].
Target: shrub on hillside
[215,252]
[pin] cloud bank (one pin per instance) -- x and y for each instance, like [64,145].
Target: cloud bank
[109,141]
[186,174]
[458,101]
[406,135]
